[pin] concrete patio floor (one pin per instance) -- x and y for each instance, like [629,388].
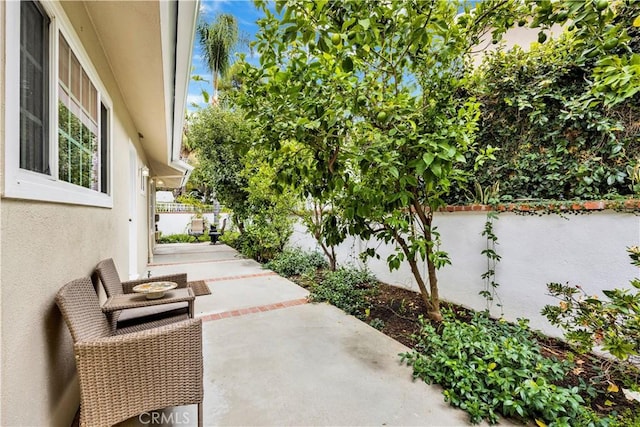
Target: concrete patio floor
[272,359]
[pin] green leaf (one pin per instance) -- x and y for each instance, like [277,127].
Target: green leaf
[428,159]
[364,23]
[436,168]
[347,64]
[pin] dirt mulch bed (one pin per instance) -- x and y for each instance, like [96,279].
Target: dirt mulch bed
[399,309]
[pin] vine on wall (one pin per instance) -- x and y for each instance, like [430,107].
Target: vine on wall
[490,283]
[546,140]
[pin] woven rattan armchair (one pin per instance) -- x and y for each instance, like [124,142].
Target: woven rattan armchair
[158,312]
[108,274]
[122,376]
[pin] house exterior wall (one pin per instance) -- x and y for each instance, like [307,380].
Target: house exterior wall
[588,249]
[43,245]
[2,141]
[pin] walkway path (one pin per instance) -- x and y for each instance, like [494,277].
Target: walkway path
[272,359]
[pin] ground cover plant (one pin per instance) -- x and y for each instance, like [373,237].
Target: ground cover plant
[294,262]
[183,238]
[488,368]
[348,288]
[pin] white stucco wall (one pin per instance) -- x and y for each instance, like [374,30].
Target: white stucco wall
[2,139]
[178,223]
[588,249]
[43,246]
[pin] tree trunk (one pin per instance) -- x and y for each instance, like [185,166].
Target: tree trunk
[435,314]
[214,97]
[433,310]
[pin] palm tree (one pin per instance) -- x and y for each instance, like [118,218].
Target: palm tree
[218,40]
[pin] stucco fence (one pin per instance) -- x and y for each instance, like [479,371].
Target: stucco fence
[585,249]
[175,218]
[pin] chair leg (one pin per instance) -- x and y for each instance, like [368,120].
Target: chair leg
[200,414]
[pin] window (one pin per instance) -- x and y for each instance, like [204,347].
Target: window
[57,108]
[34,88]
[77,122]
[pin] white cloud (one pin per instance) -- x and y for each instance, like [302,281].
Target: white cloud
[212,7]
[195,99]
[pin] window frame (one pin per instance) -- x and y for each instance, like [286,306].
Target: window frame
[25,184]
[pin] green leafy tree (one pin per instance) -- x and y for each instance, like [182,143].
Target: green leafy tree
[241,179]
[368,96]
[218,40]
[268,220]
[221,139]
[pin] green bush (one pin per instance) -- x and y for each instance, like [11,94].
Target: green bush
[181,238]
[295,262]
[347,289]
[546,142]
[588,321]
[489,368]
[230,238]
[264,239]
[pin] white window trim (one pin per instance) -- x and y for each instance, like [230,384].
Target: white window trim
[24,184]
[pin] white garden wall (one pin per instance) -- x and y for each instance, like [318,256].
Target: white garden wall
[178,223]
[585,249]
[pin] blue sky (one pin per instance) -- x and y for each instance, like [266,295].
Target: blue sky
[246,14]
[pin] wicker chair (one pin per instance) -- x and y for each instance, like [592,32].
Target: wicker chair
[157,314]
[122,376]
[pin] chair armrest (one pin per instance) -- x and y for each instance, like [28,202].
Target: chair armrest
[124,375]
[179,278]
[125,301]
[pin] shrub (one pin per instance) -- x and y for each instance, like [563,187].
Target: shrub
[347,289]
[230,238]
[295,262]
[489,368]
[180,238]
[588,320]
[265,238]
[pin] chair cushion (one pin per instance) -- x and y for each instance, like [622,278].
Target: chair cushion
[132,316]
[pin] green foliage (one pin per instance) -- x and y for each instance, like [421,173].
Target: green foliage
[490,289]
[218,40]
[377,323]
[191,200]
[242,180]
[230,238]
[177,238]
[491,367]
[295,262]
[552,142]
[347,288]
[360,103]
[588,320]
[221,139]
[606,32]
[268,223]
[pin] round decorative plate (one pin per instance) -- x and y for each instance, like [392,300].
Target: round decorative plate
[154,290]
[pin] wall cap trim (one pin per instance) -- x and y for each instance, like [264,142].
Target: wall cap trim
[536,206]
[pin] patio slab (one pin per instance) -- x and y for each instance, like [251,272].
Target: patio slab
[291,365]
[312,365]
[249,291]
